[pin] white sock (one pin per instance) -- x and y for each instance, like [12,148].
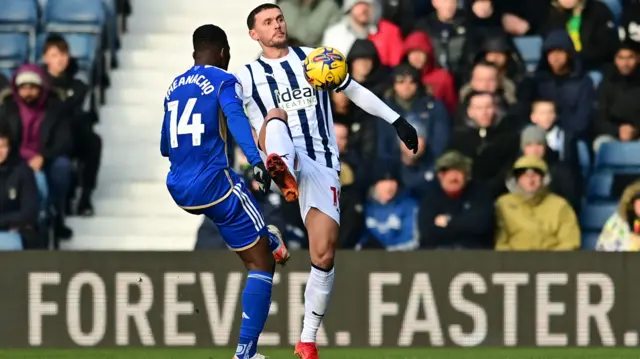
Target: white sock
[316,299]
[277,140]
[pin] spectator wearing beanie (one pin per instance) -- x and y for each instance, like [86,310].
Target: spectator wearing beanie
[41,130]
[390,215]
[456,212]
[419,53]
[532,218]
[565,181]
[618,113]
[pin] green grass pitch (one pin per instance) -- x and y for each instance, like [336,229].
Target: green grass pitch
[427,353]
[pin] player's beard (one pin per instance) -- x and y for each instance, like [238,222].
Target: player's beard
[278,41]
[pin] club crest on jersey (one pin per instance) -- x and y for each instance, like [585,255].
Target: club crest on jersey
[296,99]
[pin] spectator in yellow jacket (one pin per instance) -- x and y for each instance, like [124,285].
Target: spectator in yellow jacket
[530,217]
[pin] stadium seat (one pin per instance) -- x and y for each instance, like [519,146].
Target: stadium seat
[590,240]
[530,48]
[619,157]
[84,16]
[14,51]
[594,215]
[20,16]
[599,187]
[584,158]
[615,6]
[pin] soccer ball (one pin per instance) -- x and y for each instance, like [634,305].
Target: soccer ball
[325,68]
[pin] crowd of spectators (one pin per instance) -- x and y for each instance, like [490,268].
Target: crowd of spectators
[49,151]
[498,164]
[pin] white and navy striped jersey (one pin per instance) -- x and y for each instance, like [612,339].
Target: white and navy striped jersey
[271,83]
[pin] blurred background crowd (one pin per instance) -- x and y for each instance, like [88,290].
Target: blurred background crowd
[528,114]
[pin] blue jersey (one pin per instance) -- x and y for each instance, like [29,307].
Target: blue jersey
[202,107]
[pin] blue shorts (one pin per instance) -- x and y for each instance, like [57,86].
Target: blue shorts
[238,218]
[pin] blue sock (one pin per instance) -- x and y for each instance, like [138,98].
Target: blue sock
[274,242]
[256,299]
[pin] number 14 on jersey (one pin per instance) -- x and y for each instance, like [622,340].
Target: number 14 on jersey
[182,126]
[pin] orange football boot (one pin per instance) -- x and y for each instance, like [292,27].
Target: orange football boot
[282,177]
[306,350]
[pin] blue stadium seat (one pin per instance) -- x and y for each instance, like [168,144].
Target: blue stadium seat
[599,187]
[85,16]
[594,215]
[589,240]
[20,16]
[619,157]
[530,48]
[14,51]
[584,158]
[615,6]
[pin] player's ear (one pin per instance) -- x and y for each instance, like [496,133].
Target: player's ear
[253,35]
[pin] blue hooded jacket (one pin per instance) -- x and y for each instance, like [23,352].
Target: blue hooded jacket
[574,94]
[392,224]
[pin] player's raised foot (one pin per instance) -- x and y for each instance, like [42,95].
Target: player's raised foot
[257,356]
[306,350]
[280,253]
[282,177]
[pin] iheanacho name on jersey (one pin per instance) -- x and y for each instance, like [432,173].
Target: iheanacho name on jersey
[198,79]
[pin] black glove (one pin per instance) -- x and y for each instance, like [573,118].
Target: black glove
[407,134]
[261,175]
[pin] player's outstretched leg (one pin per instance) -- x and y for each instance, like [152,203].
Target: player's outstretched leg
[276,141]
[323,237]
[256,297]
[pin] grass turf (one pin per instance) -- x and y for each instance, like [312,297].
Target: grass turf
[427,353]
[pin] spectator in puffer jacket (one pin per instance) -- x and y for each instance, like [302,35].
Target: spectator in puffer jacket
[307,19]
[456,212]
[618,113]
[18,196]
[523,17]
[41,129]
[489,139]
[621,232]
[364,66]
[532,218]
[360,23]
[390,216]
[591,29]
[560,78]
[363,127]
[418,51]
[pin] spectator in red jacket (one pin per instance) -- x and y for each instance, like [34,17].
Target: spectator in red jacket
[419,51]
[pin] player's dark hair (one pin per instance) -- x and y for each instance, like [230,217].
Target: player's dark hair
[207,36]
[251,19]
[55,41]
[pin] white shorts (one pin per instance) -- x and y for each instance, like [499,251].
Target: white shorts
[319,187]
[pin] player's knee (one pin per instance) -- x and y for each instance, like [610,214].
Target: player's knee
[276,113]
[323,258]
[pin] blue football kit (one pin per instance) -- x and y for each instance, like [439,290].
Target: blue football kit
[203,107]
